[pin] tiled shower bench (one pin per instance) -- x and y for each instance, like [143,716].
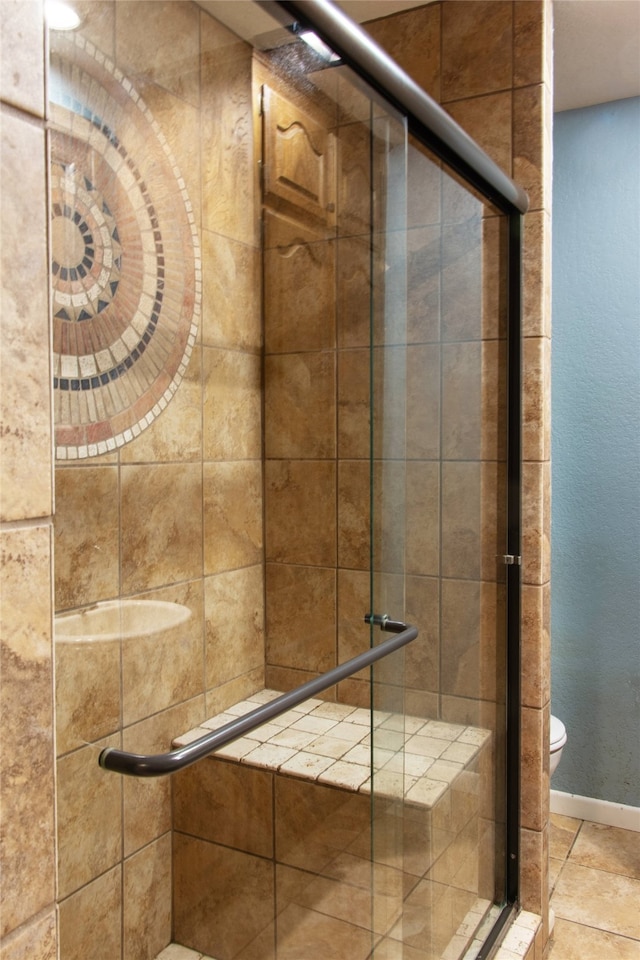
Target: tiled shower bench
[276,838]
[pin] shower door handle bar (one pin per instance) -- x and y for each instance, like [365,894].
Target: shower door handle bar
[160,764]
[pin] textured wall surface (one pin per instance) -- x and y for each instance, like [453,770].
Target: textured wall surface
[596,449]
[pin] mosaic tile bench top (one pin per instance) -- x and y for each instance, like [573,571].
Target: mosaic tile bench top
[126,268]
[331,744]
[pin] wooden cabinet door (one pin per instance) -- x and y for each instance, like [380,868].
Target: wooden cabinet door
[299,161]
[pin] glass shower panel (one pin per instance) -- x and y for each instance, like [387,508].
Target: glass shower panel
[447,820]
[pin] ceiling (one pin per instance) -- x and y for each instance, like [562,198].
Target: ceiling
[596,51]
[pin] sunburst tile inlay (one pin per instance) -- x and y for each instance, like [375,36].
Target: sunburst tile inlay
[126,268]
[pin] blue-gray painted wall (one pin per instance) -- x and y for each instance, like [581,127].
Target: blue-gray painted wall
[595,606]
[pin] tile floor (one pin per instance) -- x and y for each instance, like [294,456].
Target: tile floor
[595,891]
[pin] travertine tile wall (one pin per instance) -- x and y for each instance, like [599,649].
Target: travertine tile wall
[489,65]
[175,515]
[27,777]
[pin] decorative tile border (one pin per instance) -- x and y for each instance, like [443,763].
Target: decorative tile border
[126,264]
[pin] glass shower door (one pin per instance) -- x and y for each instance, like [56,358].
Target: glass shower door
[439,523]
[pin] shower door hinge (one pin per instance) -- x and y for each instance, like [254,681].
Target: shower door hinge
[509,559]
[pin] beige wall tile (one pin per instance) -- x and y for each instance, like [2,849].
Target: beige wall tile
[147,900]
[475,713]
[535,645]
[300,404]
[494,236]
[89,817]
[535,767]
[230,294]
[24,346]
[226,803]
[223,695]
[232,515]
[301,617]
[529,146]
[354,180]
[88,705]
[423,280]
[424,186]
[536,276]
[354,601]
[98,23]
[300,503]
[488,120]
[534,880]
[412,38]
[354,526]
[528,40]
[222,898]
[299,267]
[163,41]
[461,623]
[26,698]
[284,678]
[234,624]
[174,646]
[423,518]
[391,479]
[493,529]
[461,519]
[353,292]
[302,929]
[177,433]
[461,400]
[423,401]
[493,445]
[22,56]
[536,393]
[90,920]
[536,498]
[86,535]
[147,802]
[161,520]
[315,823]
[388,403]
[228,168]
[422,657]
[461,278]
[232,418]
[354,395]
[180,123]
[37,938]
[476,48]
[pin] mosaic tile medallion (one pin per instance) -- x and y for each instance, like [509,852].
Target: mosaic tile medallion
[126,266]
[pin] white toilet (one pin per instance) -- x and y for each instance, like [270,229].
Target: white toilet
[557,739]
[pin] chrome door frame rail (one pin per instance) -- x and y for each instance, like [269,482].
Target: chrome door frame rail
[160,764]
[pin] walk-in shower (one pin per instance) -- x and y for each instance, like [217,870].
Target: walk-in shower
[286,299]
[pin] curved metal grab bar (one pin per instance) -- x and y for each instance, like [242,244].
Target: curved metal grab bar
[160,764]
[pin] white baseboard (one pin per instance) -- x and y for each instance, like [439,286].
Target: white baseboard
[598,811]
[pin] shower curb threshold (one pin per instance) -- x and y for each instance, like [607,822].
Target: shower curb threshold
[521,941]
